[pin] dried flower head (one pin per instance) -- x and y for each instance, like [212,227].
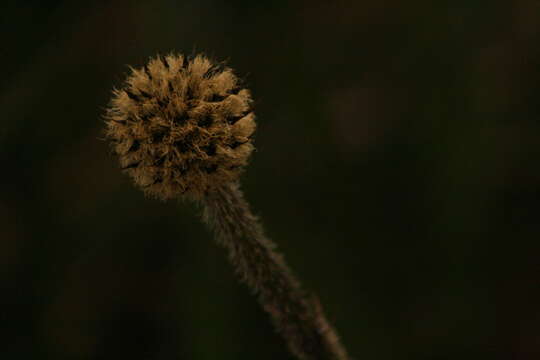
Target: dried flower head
[181,126]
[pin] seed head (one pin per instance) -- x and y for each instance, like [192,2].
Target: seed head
[181,126]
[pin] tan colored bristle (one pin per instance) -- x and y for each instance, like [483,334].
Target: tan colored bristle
[181,126]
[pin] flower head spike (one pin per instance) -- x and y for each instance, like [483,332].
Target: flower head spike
[181,126]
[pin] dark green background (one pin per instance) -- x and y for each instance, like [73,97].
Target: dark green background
[397,169]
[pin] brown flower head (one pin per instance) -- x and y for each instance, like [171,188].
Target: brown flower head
[181,126]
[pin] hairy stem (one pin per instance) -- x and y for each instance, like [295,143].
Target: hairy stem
[296,314]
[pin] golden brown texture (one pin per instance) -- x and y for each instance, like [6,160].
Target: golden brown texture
[181,126]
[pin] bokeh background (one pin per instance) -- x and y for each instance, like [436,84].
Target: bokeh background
[397,168]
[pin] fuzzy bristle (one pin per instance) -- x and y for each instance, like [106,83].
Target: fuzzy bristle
[181,126]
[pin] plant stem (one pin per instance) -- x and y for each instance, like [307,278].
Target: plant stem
[296,314]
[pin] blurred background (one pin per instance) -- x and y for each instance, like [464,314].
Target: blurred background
[396,167]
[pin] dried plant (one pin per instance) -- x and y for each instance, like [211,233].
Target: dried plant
[182,128]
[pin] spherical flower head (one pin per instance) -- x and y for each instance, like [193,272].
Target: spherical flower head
[181,126]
